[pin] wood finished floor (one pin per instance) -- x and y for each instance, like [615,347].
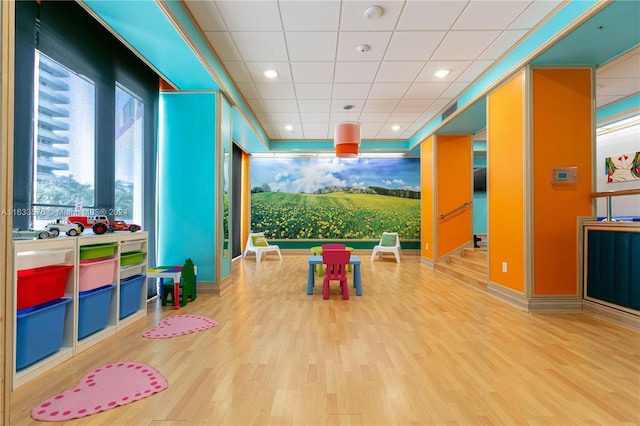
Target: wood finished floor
[417,348]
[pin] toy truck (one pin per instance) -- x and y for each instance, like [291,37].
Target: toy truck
[61,225]
[99,224]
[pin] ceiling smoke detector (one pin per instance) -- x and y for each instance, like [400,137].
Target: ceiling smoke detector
[373,12]
[363,48]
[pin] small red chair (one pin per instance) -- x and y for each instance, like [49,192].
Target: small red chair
[336,262]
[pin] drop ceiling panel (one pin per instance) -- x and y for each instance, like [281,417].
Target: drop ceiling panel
[313,90]
[312,72]
[380,105]
[311,46]
[251,16]
[223,45]
[275,91]
[314,105]
[355,72]
[310,15]
[351,90]
[274,105]
[489,14]
[260,46]
[388,90]
[398,71]
[425,90]
[429,15]
[413,45]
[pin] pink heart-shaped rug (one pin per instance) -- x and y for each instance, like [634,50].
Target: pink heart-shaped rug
[104,388]
[179,325]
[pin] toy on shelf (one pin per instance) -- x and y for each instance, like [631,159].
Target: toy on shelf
[121,225]
[99,224]
[31,234]
[63,225]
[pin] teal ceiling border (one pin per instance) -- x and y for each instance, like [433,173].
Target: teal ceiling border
[166,51]
[624,108]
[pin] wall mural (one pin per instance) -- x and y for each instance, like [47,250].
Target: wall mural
[623,167]
[332,198]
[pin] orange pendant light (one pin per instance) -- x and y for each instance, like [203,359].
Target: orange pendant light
[346,138]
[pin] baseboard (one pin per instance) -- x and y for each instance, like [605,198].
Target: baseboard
[508,295]
[555,304]
[427,262]
[205,287]
[617,316]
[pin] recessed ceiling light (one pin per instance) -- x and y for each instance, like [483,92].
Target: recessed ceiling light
[395,127]
[441,73]
[289,127]
[271,73]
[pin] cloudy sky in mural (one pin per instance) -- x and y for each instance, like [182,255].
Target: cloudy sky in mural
[307,175]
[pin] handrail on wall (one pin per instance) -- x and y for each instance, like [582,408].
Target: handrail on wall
[610,194]
[467,204]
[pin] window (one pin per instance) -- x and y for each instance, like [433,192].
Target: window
[64,141]
[129,138]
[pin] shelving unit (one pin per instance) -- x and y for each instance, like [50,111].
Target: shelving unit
[31,254]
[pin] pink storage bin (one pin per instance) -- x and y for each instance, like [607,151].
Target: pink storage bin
[96,273]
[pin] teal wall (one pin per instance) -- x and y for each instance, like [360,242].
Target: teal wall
[225,140]
[480,198]
[186,180]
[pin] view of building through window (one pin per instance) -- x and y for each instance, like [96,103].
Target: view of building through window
[64,148]
[129,142]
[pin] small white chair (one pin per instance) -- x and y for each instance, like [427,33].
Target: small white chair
[389,243]
[258,244]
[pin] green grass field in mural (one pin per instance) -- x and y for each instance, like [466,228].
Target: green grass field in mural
[337,215]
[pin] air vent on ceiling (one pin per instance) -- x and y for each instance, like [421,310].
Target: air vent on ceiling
[453,108]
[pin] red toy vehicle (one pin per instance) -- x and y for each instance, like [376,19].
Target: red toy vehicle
[121,225]
[99,224]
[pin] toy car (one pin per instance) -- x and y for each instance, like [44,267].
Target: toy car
[121,225]
[29,234]
[62,225]
[99,224]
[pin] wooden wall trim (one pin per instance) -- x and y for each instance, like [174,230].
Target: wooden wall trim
[7,28]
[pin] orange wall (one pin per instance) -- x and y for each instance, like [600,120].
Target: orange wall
[454,189]
[427,197]
[505,179]
[562,137]
[244,201]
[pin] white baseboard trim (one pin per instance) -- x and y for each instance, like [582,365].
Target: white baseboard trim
[608,313]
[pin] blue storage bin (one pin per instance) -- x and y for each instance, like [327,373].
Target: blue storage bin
[40,331]
[130,293]
[93,310]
